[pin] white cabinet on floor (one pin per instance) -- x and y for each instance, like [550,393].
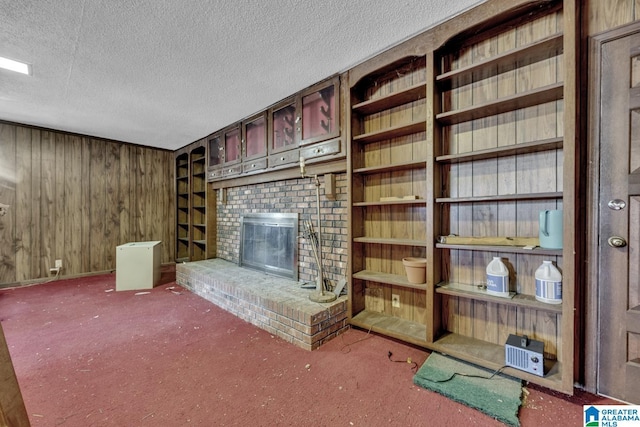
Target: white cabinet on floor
[137,265]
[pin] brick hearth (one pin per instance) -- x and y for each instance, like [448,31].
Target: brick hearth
[277,305]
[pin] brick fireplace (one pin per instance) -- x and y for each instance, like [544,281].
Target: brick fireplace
[290,196]
[277,304]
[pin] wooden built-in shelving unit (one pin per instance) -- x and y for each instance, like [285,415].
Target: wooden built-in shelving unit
[388,182]
[182,207]
[471,291]
[199,203]
[530,98]
[389,168]
[394,99]
[391,279]
[501,249]
[195,228]
[498,150]
[499,63]
[395,327]
[391,132]
[474,127]
[504,151]
[503,198]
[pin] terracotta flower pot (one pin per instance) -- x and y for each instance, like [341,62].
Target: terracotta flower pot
[416,269]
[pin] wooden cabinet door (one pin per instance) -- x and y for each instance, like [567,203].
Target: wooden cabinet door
[216,151]
[320,112]
[284,126]
[254,137]
[232,145]
[618,213]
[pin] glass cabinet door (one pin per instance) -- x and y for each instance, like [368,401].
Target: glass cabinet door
[232,146]
[255,137]
[284,122]
[320,113]
[216,151]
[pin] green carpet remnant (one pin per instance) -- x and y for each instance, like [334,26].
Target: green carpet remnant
[499,397]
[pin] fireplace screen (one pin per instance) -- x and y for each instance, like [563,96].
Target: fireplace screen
[269,243]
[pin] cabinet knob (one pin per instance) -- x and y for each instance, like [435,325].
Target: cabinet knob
[282,158]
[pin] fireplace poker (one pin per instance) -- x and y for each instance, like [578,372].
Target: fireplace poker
[319,295]
[313,239]
[310,234]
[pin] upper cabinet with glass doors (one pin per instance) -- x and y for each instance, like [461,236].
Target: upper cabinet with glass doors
[254,143]
[225,153]
[254,137]
[320,112]
[232,149]
[311,116]
[216,156]
[285,127]
[273,138]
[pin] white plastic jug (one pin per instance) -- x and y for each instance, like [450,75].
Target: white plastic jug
[497,278]
[548,283]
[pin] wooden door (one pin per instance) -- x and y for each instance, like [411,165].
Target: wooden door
[618,218]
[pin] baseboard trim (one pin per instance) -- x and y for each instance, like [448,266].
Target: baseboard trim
[44,280]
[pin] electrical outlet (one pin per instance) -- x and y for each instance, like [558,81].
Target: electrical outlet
[395,300]
[58,263]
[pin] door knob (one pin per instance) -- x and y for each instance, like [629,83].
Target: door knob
[616,204]
[616,242]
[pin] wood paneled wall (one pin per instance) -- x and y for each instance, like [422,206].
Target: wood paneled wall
[602,15]
[76,198]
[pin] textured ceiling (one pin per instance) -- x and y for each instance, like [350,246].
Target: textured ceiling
[165,73]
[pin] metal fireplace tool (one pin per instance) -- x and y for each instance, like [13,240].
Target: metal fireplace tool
[315,238]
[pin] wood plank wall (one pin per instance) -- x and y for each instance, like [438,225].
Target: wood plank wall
[76,198]
[602,15]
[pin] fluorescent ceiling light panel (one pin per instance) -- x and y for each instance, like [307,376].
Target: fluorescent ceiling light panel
[19,67]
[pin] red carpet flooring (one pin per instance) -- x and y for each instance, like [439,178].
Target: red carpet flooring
[86,355]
